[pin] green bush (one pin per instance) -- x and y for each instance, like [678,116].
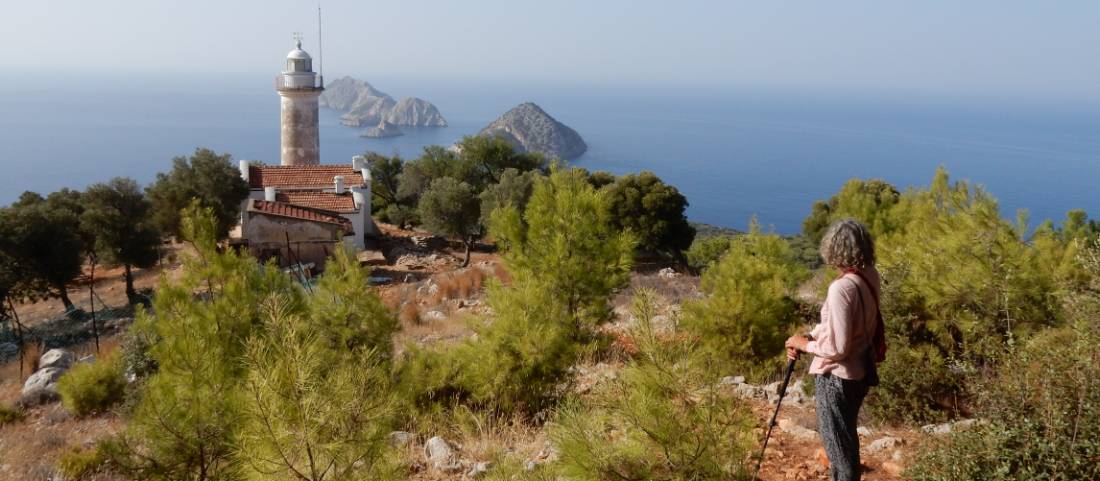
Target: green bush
[90,388]
[1041,412]
[81,463]
[662,418]
[565,259]
[9,415]
[748,309]
[960,284]
[705,251]
[1041,417]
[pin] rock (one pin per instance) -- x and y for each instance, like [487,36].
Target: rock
[43,379]
[366,105]
[477,469]
[343,93]
[882,444]
[61,358]
[368,110]
[668,273]
[943,428]
[863,431]
[415,112]
[383,130]
[897,456]
[441,455]
[36,397]
[434,316]
[530,129]
[732,380]
[400,439]
[797,430]
[747,391]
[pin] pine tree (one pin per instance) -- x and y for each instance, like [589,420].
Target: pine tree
[312,415]
[748,309]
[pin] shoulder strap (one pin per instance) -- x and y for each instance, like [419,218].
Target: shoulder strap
[878,339]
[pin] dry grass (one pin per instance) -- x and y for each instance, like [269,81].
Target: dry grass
[478,437]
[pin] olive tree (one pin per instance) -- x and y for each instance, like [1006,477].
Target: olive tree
[452,208]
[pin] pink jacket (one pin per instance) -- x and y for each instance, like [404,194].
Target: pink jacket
[845,331]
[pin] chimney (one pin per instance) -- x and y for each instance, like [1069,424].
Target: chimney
[244,169]
[338,182]
[269,194]
[358,162]
[358,194]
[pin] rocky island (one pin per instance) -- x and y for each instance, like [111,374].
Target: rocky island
[531,129]
[383,130]
[366,105]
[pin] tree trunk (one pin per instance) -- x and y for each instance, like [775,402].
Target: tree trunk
[469,241]
[64,295]
[91,302]
[131,294]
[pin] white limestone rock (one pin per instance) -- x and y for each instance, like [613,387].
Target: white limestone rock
[43,380]
[60,358]
[441,455]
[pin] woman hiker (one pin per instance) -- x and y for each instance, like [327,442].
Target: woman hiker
[846,344]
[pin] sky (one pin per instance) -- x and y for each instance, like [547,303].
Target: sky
[1020,48]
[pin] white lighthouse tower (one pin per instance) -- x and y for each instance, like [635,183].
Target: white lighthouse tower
[299,87]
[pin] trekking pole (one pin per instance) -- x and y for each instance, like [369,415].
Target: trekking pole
[771,425]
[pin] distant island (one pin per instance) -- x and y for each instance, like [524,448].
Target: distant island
[531,129]
[365,105]
[383,130]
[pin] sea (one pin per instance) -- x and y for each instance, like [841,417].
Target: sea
[735,153]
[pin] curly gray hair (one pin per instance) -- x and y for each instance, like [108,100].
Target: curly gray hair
[848,244]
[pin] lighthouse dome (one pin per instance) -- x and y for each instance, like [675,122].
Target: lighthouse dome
[298,60]
[298,53]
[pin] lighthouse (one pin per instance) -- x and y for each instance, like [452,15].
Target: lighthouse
[299,87]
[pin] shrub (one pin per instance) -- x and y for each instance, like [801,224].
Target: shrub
[747,311]
[1041,417]
[705,251]
[90,388]
[81,463]
[313,413]
[9,415]
[960,284]
[662,418]
[565,261]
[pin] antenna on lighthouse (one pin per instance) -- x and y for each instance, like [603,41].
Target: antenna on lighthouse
[320,50]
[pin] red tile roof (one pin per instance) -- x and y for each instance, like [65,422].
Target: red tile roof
[301,176]
[342,203]
[301,213]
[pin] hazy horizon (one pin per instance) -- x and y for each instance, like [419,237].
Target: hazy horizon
[997,49]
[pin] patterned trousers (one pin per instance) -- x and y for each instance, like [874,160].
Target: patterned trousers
[838,402]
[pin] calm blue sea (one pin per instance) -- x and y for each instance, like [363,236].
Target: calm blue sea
[734,154]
